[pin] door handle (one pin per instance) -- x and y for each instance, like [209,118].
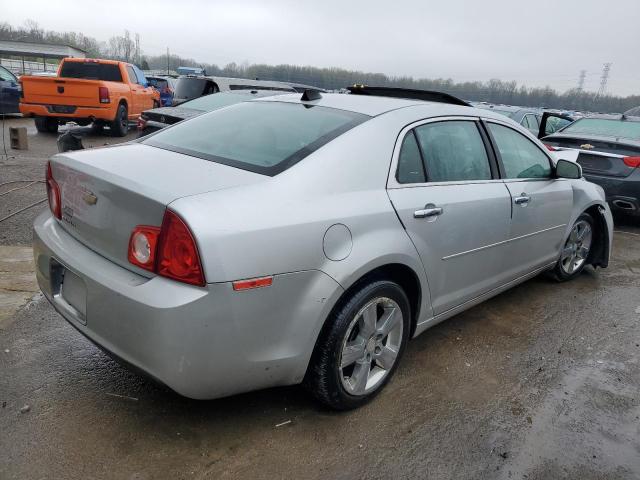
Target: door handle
[523,199]
[429,211]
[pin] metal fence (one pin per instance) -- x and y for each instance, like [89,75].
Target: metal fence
[22,67]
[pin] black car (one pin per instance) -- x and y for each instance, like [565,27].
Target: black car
[609,153]
[9,92]
[158,118]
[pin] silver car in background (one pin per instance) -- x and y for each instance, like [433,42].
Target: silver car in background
[293,240]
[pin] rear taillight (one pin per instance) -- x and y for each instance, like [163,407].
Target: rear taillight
[142,246]
[103,94]
[632,162]
[142,123]
[177,252]
[169,251]
[53,193]
[550,148]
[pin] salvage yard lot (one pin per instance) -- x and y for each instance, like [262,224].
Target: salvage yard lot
[539,382]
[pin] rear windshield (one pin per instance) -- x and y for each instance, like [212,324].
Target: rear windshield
[215,100]
[91,71]
[262,137]
[605,126]
[159,83]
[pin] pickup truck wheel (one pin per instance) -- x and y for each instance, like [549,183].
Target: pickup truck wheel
[120,125]
[46,125]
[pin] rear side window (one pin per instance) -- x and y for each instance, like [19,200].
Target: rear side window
[91,71]
[262,137]
[453,151]
[521,158]
[410,168]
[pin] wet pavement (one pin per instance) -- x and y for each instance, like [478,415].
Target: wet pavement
[540,382]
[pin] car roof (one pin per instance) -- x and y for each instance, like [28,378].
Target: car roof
[373,105]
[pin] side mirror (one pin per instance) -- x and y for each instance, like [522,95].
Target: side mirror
[567,169]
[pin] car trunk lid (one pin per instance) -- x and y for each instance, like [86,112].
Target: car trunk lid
[599,156]
[106,192]
[170,115]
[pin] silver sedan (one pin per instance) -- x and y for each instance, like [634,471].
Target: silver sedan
[305,240]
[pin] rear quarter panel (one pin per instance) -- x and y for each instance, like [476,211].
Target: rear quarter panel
[279,225]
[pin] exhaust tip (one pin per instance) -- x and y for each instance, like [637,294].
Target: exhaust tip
[624,205]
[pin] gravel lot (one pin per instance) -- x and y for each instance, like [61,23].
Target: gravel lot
[541,382]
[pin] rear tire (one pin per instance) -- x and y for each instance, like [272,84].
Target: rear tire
[360,347]
[120,124]
[46,124]
[576,249]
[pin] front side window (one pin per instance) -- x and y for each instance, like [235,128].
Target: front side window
[453,151]
[521,158]
[132,74]
[262,137]
[7,76]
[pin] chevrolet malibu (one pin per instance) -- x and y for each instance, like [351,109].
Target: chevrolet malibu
[292,240]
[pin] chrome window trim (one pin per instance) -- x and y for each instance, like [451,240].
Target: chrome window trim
[392,181]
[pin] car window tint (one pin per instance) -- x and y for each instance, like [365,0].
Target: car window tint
[262,137]
[91,70]
[7,76]
[410,169]
[520,156]
[142,80]
[453,151]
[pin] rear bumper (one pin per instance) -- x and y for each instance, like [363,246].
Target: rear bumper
[97,113]
[623,194]
[204,342]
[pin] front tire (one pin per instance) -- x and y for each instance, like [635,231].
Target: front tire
[120,124]
[360,347]
[46,124]
[575,252]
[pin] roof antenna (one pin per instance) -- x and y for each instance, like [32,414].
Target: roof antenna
[310,95]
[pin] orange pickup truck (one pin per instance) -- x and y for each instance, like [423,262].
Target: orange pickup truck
[102,92]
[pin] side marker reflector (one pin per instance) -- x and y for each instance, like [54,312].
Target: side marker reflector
[252,283]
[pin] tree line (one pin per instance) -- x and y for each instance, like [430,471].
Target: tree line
[123,47]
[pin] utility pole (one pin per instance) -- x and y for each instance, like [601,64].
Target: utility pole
[167,60]
[138,49]
[583,75]
[603,79]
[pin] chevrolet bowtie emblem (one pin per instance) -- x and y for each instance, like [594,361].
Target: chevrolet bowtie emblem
[90,198]
[586,146]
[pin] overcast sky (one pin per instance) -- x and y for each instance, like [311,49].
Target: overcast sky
[535,42]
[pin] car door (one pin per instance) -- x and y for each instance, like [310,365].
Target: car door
[136,92]
[552,122]
[9,92]
[447,194]
[148,92]
[540,204]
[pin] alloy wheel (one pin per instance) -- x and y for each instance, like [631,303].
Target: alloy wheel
[371,346]
[576,249]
